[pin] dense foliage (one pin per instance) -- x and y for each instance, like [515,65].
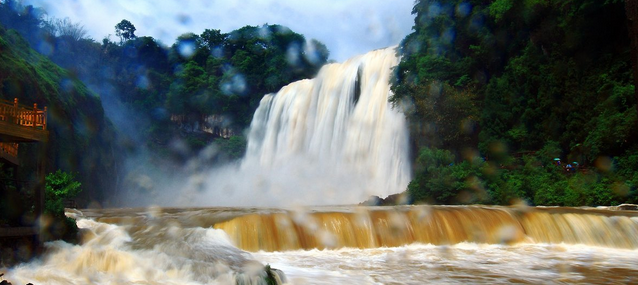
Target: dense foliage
[17,208]
[60,187]
[496,90]
[76,119]
[168,103]
[172,92]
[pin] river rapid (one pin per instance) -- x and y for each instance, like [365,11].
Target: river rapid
[465,263]
[344,245]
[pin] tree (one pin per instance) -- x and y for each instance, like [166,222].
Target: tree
[125,30]
[234,147]
[59,186]
[527,77]
[439,180]
[316,52]
[66,28]
[213,39]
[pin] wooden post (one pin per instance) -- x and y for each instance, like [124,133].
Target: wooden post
[14,112]
[35,114]
[40,188]
[44,119]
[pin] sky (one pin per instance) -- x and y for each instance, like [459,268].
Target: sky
[346,27]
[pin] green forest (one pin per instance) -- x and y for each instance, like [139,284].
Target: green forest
[134,96]
[520,101]
[507,101]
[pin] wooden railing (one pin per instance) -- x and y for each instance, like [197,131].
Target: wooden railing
[9,148]
[15,114]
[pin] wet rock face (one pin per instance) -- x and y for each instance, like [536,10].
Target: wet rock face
[627,207]
[264,275]
[275,276]
[372,201]
[392,200]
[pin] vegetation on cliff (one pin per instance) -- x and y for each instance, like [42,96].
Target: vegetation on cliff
[497,91]
[166,103]
[60,187]
[501,96]
[80,137]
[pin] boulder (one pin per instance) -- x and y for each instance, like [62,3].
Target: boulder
[263,275]
[627,207]
[392,200]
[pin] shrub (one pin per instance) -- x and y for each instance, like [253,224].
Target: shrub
[59,187]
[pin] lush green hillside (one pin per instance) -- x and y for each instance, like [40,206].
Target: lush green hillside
[81,138]
[172,93]
[498,89]
[495,91]
[167,103]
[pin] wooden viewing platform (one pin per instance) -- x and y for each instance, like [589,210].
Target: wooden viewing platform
[22,124]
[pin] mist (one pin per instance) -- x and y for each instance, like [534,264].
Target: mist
[331,140]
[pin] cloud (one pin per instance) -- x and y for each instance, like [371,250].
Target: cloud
[347,27]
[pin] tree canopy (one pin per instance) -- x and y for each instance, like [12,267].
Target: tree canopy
[494,84]
[125,30]
[201,90]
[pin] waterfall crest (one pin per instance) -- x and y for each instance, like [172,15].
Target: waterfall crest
[333,139]
[439,225]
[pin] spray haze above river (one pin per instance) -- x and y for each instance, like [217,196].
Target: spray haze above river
[331,140]
[254,142]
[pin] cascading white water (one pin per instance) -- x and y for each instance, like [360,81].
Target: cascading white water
[331,140]
[334,138]
[141,249]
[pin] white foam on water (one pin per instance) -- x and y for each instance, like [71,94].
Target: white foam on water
[331,140]
[458,264]
[155,255]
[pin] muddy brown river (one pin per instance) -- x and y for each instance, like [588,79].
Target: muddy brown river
[345,245]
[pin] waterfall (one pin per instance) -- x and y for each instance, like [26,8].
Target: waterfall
[333,139]
[439,225]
